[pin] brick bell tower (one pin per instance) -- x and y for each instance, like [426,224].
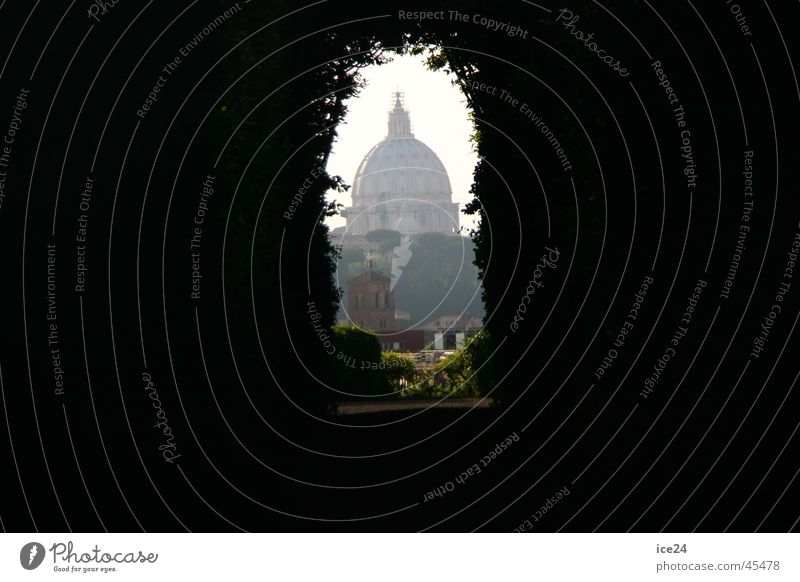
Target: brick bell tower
[370,301]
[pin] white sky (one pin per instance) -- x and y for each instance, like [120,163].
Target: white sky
[438,119]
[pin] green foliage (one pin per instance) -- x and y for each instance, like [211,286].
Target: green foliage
[275,91]
[479,350]
[358,357]
[351,254]
[399,370]
[357,342]
[440,278]
[386,239]
[509,198]
[507,191]
[457,375]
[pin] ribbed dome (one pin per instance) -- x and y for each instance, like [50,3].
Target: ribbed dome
[401,167]
[401,184]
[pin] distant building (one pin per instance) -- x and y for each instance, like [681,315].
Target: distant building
[450,332]
[370,301]
[402,318]
[408,340]
[452,322]
[401,185]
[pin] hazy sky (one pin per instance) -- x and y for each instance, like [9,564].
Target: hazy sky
[438,118]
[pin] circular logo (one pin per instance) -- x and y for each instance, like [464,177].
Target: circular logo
[31,555]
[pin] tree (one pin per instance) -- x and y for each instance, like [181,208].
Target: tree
[358,362]
[385,238]
[399,369]
[439,278]
[457,375]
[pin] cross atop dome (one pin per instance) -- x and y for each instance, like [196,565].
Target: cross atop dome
[399,119]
